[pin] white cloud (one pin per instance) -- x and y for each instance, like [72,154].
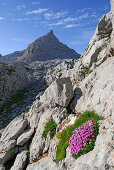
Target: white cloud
[19,7]
[83,16]
[72,25]
[83,10]
[38,11]
[1,18]
[57,23]
[48,15]
[70,19]
[20,19]
[60,14]
[35,3]
[52,15]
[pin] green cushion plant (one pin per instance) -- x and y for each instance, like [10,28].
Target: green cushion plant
[67,133]
[50,128]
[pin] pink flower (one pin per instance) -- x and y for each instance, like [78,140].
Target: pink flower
[81,137]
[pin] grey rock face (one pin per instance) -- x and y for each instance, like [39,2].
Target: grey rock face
[5,156]
[98,90]
[43,164]
[14,129]
[5,146]
[40,145]
[47,47]
[111,46]
[20,161]
[12,79]
[60,92]
[24,137]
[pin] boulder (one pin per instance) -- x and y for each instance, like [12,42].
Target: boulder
[14,129]
[24,137]
[5,156]
[60,92]
[20,161]
[6,146]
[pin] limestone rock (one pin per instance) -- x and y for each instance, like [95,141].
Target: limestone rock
[98,90]
[12,79]
[24,137]
[60,92]
[40,145]
[5,146]
[14,129]
[5,156]
[43,164]
[20,161]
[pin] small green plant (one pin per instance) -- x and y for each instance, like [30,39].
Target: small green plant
[27,150]
[50,128]
[67,133]
[58,135]
[0,135]
[87,48]
[89,71]
[18,99]
[100,49]
[10,71]
[108,39]
[12,154]
[27,68]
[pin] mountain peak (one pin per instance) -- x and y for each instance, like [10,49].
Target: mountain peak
[47,47]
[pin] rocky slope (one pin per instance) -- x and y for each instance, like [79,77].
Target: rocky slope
[47,47]
[95,54]
[12,79]
[11,58]
[22,145]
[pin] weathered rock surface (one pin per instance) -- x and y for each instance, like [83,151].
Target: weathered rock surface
[40,145]
[24,137]
[7,145]
[12,79]
[14,129]
[98,90]
[43,164]
[20,161]
[60,92]
[111,46]
[47,47]
[5,156]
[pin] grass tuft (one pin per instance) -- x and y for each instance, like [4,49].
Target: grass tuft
[50,128]
[89,71]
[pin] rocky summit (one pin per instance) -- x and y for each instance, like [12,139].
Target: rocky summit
[69,125]
[47,47]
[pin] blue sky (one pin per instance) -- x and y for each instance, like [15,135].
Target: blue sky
[73,22]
